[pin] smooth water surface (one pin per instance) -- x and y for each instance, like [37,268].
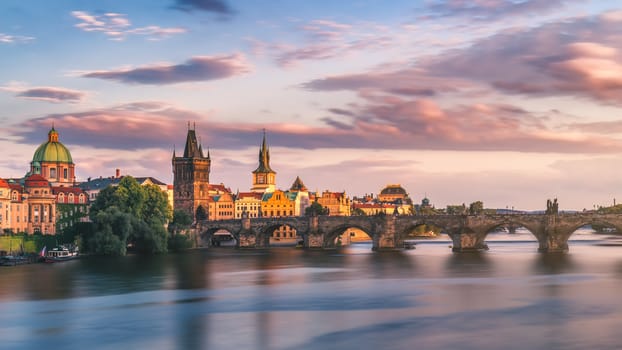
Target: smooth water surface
[509,297]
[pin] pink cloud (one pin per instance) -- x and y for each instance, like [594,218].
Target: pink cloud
[382,122]
[117,26]
[577,57]
[199,68]
[46,93]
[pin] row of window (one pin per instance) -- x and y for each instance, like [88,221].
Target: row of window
[61,197]
[250,215]
[278,213]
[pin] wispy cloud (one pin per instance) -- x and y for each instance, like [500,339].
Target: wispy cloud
[117,26]
[323,40]
[220,7]
[14,39]
[45,93]
[199,68]
[491,9]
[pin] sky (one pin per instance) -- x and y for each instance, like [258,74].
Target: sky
[505,101]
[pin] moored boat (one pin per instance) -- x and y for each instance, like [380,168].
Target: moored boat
[11,260]
[61,253]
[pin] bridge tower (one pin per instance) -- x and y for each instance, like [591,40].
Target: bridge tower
[191,178]
[264,178]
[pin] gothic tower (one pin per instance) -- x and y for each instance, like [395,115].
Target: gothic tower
[264,178]
[191,179]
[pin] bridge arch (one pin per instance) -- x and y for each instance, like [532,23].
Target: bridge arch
[286,230]
[210,235]
[332,236]
[532,228]
[604,221]
[404,230]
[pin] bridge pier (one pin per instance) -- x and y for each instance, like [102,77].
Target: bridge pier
[385,237]
[556,234]
[553,244]
[314,239]
[246,237]
[468,242]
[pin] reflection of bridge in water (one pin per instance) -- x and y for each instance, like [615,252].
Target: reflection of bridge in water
[387,232]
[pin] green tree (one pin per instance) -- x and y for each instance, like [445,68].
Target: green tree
[476,208]
[456,209]
[148,237]
[316,209]
[177,240]
[156,206]
[129,214]
[181,221]
[111,231]
[130,196]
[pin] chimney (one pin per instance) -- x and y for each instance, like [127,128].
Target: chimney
[118,173]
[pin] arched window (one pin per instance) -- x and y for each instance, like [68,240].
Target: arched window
[201,214]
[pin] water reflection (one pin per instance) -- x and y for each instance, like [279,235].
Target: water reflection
[469,263]
[352,298]
[553,263]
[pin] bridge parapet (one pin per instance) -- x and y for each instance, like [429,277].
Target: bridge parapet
[468,232]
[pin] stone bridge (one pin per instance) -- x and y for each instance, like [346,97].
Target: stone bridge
[388,232]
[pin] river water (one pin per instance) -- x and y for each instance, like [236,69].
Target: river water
[509,297]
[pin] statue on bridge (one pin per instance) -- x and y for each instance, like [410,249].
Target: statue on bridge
[552,208]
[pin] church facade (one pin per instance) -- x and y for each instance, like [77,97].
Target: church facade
[47,199]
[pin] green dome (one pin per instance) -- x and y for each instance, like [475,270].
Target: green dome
[52,151]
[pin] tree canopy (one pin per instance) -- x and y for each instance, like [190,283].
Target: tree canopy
[316,209]
[129,214]
[476,208]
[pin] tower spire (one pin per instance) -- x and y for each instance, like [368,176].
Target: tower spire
[264,157]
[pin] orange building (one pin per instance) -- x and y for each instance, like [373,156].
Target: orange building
[338,203]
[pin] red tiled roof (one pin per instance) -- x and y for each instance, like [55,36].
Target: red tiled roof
[63,189]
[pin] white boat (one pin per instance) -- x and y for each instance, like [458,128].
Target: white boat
[61,253]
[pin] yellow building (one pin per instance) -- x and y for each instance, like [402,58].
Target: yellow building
[338,203]
[374,208]
[276,204]
[221,206]
[249,203]
[397,196]
[19,209]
